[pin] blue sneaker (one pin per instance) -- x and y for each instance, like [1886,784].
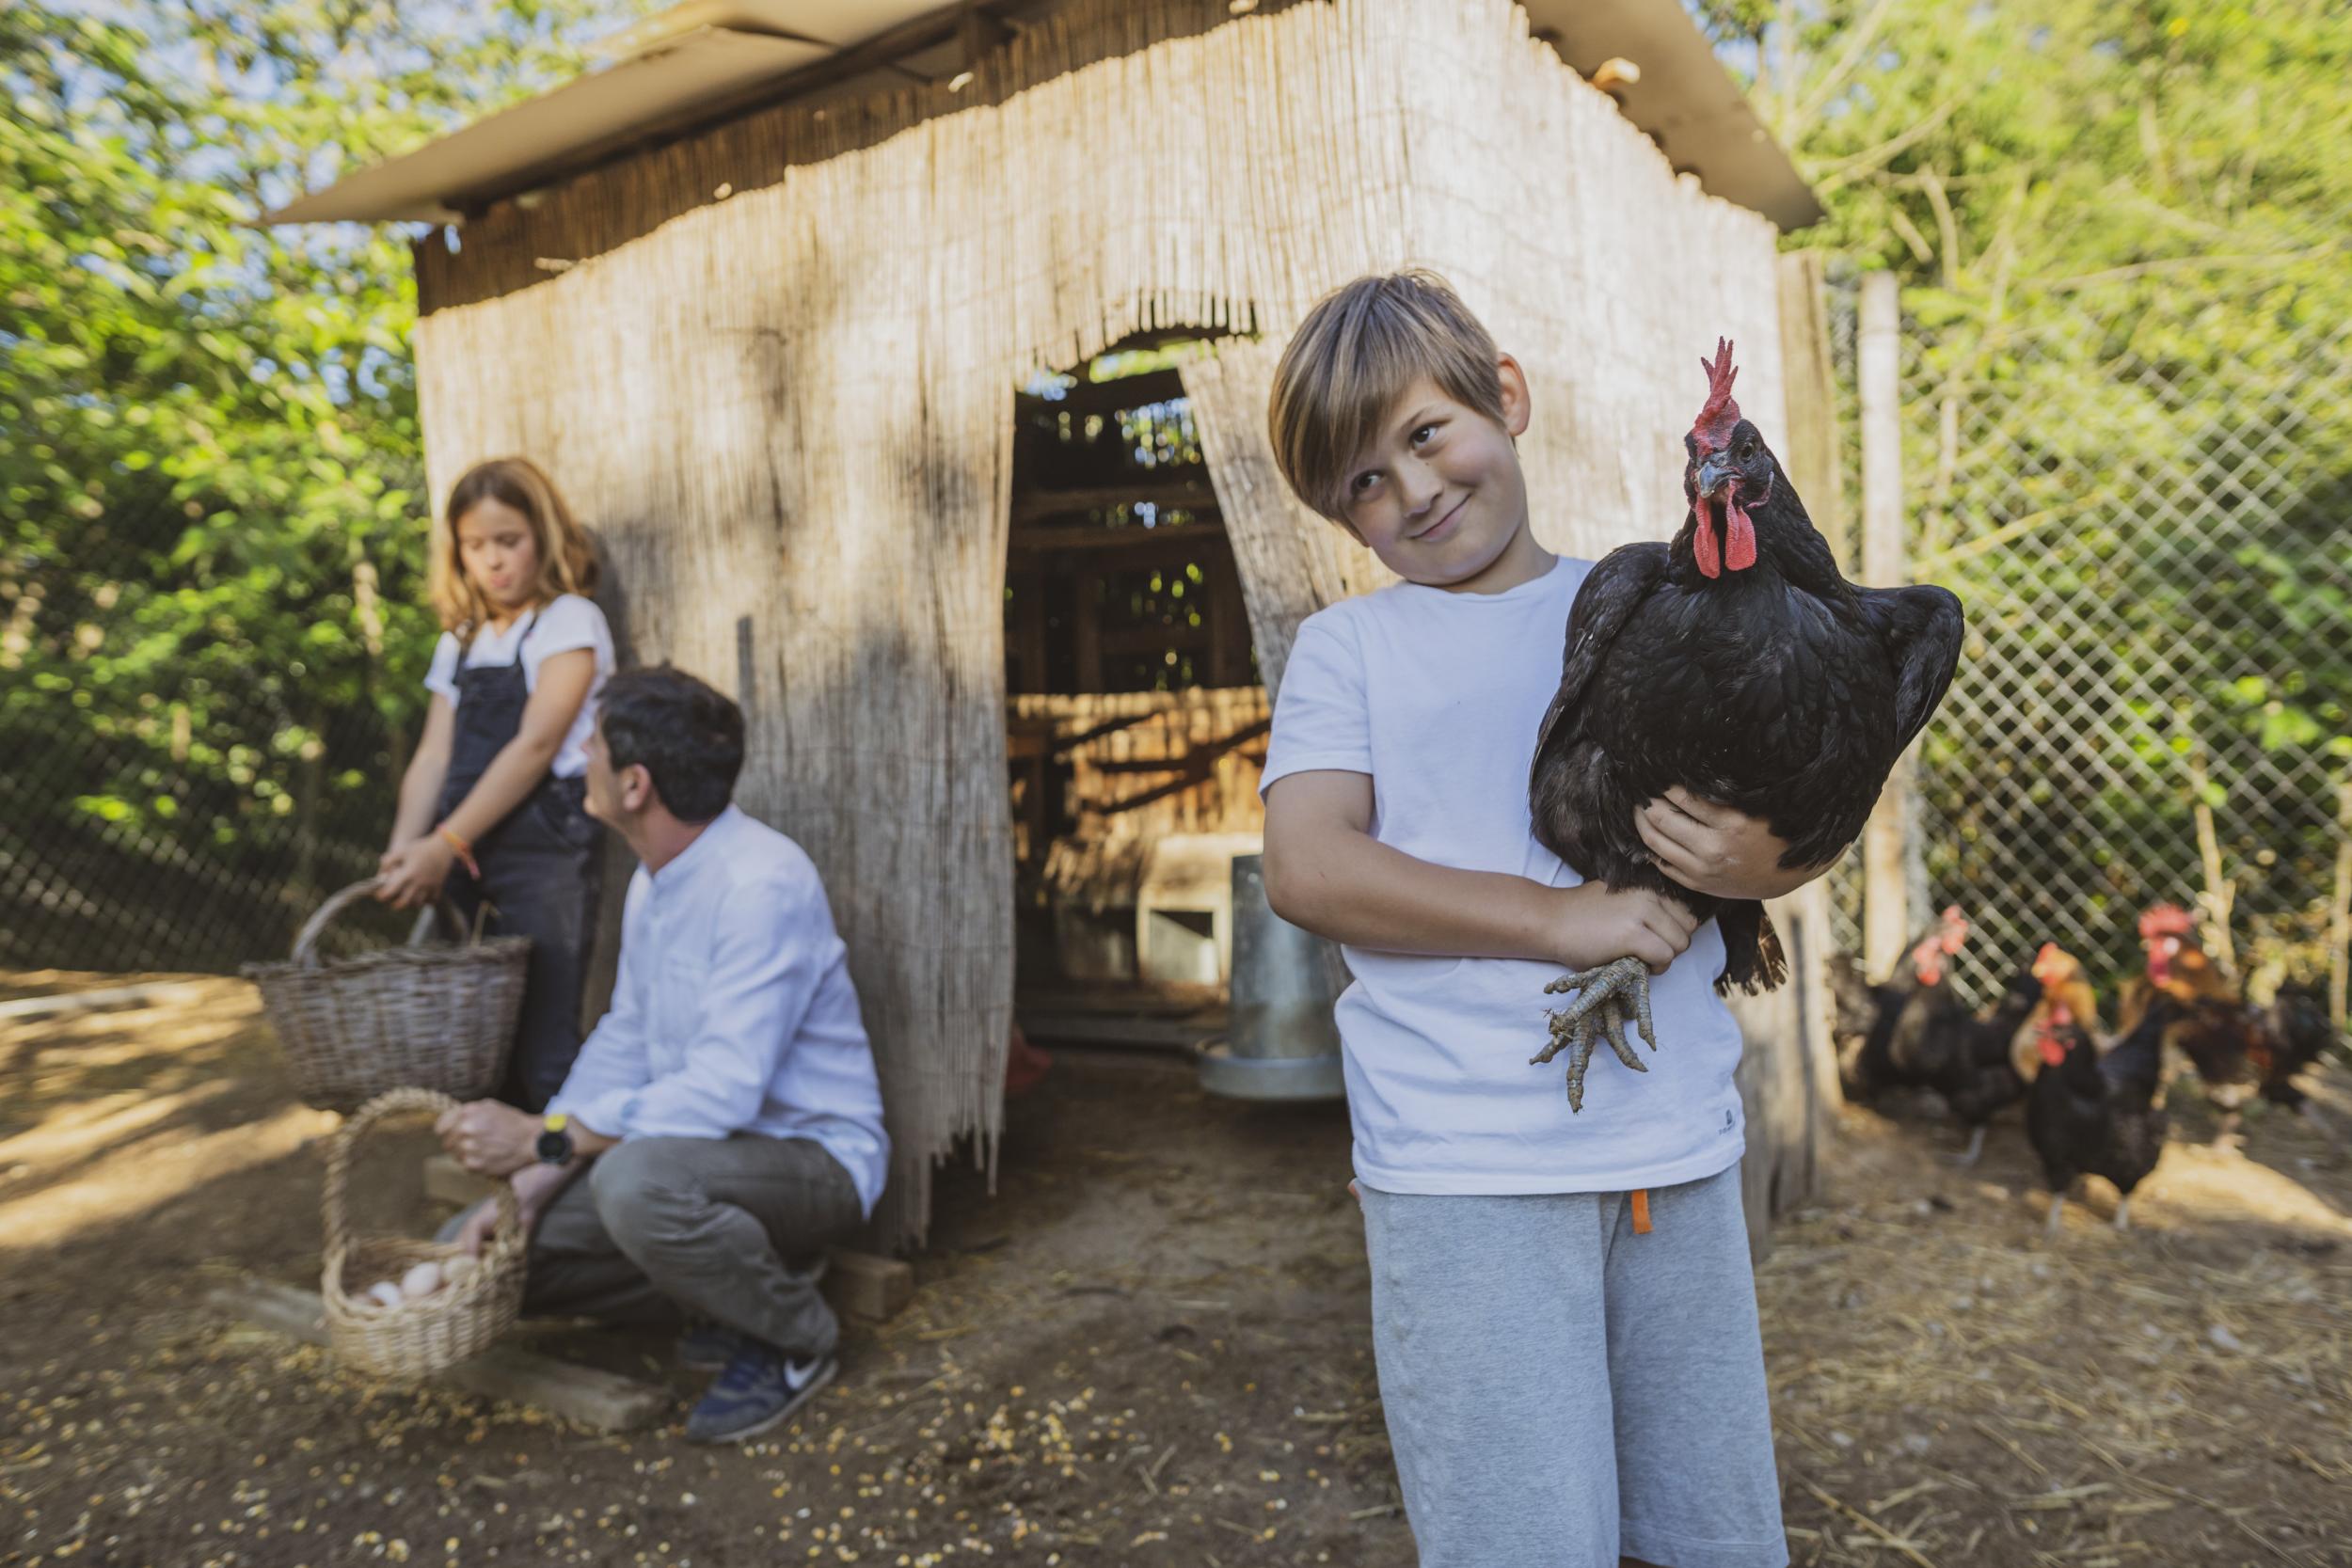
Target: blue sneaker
[760,1387]
[708,1347]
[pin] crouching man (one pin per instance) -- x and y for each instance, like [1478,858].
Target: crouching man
[725,1114]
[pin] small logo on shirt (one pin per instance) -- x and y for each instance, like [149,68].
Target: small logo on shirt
[1727,1121]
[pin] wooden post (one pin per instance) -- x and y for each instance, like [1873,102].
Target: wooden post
[1090,633]
[1788,1076]
[1808,451]
[1885,920]
[2340,909]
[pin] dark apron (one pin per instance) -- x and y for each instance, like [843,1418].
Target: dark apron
[540,871]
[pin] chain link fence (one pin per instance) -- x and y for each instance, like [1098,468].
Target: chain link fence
[195,750]
[2139,487]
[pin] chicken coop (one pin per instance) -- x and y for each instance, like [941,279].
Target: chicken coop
[911,363]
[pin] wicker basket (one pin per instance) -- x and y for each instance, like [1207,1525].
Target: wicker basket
[416,1339]
[421,1016]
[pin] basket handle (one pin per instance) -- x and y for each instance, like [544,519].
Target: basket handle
[307,939]
[444,911]
[507,1237]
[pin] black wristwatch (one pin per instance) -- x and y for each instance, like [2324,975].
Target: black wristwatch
[554,1146]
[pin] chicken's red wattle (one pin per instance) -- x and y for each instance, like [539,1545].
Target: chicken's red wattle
[1703,540]
[1740,544]
[1737,550]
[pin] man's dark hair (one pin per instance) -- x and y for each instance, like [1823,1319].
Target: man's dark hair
[687,736]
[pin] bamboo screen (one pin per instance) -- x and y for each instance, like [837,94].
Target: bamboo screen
[773,365]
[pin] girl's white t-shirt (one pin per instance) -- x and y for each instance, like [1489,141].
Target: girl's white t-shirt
[558,627]
[1439,697]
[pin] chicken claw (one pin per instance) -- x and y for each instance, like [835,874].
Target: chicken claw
[1608,999]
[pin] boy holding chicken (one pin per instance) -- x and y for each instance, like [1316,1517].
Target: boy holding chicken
[1562,1312]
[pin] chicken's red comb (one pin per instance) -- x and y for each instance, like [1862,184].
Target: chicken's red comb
[1954,932]
[2167,920]
[1713,429]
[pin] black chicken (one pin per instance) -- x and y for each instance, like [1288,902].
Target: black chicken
[1966,1059]
[1736,662]
[2097,1116]
[1902,1005]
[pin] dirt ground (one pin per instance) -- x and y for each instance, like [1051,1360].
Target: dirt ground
[1150,1345]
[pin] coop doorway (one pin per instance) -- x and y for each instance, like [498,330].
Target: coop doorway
[1135,721]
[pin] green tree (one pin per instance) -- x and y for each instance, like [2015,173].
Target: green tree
[2122,232]
[210,524]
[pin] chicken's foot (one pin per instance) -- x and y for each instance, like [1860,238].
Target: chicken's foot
[1975,1151]
[1608,998]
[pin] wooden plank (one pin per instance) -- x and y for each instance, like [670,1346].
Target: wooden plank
[1115,396]
[92,1001]
[1052,538]
[1165,998]
[1031,505]
[588,1394]
[1167,1034]
[860,1284]
[1152,640]
[867,1285]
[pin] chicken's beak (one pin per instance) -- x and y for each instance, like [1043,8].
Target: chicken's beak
[1714,469]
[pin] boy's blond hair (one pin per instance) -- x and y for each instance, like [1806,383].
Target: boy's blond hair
[568,562]
[1357,352]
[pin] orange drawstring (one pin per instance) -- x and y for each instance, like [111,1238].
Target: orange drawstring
[1641,1211]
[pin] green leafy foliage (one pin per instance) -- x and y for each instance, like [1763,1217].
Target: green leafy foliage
[212,529]
[2123,235]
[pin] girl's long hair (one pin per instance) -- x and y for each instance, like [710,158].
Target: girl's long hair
[568,562]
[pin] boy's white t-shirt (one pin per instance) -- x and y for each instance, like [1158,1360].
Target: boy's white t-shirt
[562,624]
[1438,696]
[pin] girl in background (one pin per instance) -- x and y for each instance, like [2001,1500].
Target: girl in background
[491,808]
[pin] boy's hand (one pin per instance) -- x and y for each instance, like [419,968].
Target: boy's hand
[1605,926]
[1716,850]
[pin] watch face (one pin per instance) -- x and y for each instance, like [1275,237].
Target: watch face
[555,1148]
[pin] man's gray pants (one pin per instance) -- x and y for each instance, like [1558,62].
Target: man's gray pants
[731,1230]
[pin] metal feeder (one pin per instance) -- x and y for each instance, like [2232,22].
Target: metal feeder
[1281,1043]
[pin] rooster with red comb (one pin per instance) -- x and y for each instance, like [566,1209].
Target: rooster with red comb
[1733,662]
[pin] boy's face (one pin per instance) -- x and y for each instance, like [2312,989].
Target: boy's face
[1438,493]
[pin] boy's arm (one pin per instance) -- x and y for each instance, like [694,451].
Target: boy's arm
[1325,872]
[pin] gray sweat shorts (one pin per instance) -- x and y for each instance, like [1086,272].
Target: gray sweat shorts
[1562,1391]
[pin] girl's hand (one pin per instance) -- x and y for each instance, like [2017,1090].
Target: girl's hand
[1602,925]
[1716,850]
[413,873]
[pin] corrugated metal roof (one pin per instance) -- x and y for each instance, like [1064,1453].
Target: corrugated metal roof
[670,69]
[1685,99]
[664,70]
